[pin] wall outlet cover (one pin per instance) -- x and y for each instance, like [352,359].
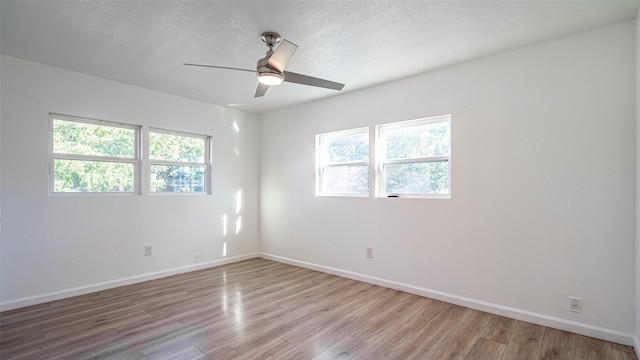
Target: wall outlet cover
[575,304]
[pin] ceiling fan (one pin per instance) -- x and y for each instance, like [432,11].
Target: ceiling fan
[270,69]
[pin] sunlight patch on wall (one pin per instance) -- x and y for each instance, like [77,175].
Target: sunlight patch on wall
[236,127]
[238,201]
[238,224]
[224,249]
[224,225]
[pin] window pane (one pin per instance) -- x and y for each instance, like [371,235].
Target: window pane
[417,178]
[172,178]
[70,137]
[170,147]
[418,141]
[92,176]
[345,179]
[340,148]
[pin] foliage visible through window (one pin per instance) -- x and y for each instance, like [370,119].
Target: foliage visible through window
[93,156]
[414,158]
[343,163]
[178,162]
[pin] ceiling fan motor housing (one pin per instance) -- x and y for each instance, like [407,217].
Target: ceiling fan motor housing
[263,68]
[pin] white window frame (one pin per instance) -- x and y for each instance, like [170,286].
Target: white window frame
[65,156]
[381,154]
[206,164]
[321,166]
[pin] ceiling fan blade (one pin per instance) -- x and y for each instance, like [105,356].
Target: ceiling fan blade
[310,80]
[282,55]
[220,67]
[261,90]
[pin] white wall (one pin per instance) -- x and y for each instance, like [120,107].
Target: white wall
[543,176]
[637,244]
[53,247]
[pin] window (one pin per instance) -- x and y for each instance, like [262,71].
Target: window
[414,158]
[92,156]
[342,163]
[178,162]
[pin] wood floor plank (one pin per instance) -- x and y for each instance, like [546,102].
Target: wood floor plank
[128,292]
[349,293]
[6,316]
[40,314]
[21,339]
[345,290]
[306,350]
[334,332]
[125,355]
[460,339]
[497,328]
[221,353]
[371,306]
[428,310]
[239,333]
[592,349]
[426,338]
[56,344]
[310,326]
[397,308]
[622,355]
[260,309]
[149,325]
[10,317]
[177,340]
[70,348]
[485,349]
[292,323]
[525,342]
[558,344]
[97,322]
[189,353]
[624,348]
[133,339]
[268,348]
[343,349]
[70,314]
[398,343]
[406,310]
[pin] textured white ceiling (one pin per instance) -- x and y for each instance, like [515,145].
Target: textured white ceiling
[359,43]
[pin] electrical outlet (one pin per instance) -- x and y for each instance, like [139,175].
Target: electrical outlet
[196,257]
[369,253]
[575,304]
[147,250]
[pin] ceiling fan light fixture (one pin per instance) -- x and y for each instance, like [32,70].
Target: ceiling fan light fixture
[270,79]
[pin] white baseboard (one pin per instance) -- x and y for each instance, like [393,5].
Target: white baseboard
[518,314]
[636,346]
[39,299]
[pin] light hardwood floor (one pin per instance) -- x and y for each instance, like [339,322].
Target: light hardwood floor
[260,309]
